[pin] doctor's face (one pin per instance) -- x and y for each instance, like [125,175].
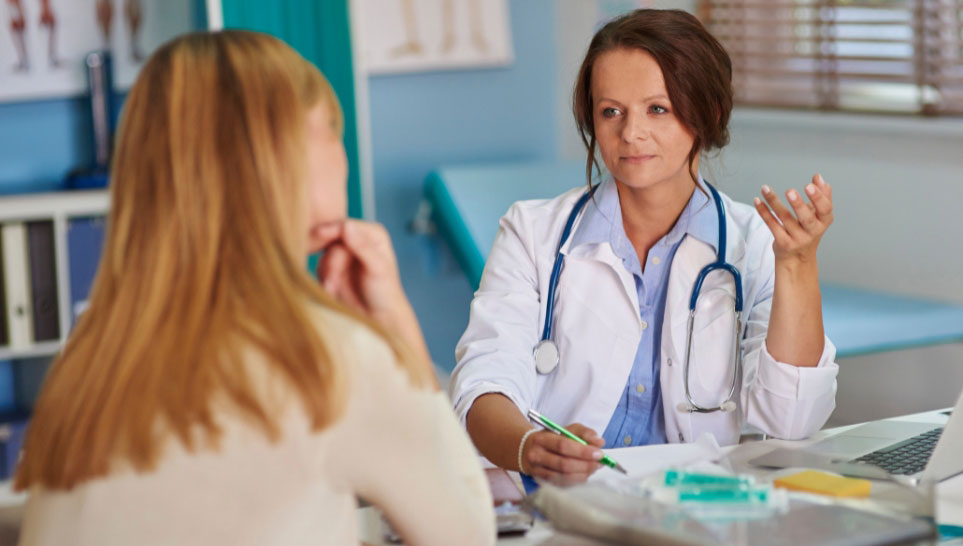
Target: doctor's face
[327,198]
[641,141]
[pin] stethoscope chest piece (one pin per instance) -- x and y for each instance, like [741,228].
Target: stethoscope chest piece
[546,356]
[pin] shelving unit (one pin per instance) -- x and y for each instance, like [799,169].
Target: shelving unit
[61,208]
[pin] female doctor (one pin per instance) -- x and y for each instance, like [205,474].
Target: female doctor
[607,347]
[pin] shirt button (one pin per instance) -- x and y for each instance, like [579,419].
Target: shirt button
[627,440]
[656,260]
[681,438]
[668,361]
[645,325]
[640,388]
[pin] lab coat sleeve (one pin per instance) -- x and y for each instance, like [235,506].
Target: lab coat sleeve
[494,355]
[780,399]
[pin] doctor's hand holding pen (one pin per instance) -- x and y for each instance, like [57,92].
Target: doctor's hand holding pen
[360,270]
[795,332]
[518,445]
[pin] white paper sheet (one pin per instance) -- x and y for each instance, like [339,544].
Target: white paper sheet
[644,460]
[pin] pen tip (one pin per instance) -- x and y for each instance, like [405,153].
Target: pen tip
[621,469]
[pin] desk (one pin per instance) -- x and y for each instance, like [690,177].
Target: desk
[467,202]
[949,493]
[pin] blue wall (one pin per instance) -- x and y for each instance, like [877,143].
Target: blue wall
[423,120]
[41,141]
[419,121]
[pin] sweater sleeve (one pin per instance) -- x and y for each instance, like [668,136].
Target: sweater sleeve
[401,448]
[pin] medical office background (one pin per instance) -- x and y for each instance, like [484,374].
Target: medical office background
[897,182]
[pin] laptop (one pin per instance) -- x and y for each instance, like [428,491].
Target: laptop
[914,451]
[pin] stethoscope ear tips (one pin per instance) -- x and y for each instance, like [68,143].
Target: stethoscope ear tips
[728,405]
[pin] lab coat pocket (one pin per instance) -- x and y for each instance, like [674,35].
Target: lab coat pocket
[586,342]
[714,344]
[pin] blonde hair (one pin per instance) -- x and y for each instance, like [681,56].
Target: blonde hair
[204,257]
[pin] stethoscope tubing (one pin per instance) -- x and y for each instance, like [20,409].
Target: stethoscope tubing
[548,348]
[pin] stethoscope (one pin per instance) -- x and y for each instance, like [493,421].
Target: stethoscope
[546,351]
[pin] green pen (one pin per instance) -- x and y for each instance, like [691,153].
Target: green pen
[550,425]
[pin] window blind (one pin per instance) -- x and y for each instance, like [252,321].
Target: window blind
[875,55]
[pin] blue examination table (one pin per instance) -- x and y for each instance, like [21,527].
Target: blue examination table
[467,201]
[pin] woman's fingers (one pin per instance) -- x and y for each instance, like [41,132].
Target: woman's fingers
[586,434]
[371,243]
[337,272]
[785,216]
[805,213]
[797,231]
[823,186]
[821,199]
[558,463]
[778,232]
[551,455]
[324,235]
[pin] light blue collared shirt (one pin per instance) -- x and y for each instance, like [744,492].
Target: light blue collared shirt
[638,418]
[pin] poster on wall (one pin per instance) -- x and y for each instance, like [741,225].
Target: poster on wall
[43,42]
[423,35]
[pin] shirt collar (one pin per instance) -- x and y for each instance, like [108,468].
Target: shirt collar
[602,219]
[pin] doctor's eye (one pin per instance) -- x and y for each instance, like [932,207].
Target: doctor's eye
[610,112]
[656,109]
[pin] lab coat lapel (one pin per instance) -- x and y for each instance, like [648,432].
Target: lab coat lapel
[603,253]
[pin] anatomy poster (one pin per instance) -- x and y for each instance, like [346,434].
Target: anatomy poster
[43,42]
[421,35]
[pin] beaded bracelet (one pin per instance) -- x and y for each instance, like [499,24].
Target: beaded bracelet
[521,447]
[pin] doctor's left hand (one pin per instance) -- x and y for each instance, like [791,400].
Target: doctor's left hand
[797,232]
[359,268]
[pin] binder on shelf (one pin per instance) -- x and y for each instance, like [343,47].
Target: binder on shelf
[4,327]
[17,285]
[43,277]
[85,237]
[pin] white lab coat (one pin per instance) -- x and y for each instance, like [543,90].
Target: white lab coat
[597,328]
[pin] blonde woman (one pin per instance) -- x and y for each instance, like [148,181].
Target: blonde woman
[213,393]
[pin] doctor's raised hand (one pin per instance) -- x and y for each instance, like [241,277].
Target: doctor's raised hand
[795,326]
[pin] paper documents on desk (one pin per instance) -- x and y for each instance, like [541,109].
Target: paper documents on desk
[619,509]
[645,460]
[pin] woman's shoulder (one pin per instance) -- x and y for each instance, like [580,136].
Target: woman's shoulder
[538,218]
[348,338]
[535,209]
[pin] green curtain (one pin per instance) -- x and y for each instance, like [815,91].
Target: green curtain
[320,30]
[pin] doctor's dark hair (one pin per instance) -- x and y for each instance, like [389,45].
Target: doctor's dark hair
[696,68]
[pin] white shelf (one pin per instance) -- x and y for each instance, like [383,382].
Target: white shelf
[39,206]
[43,348]
[59,208]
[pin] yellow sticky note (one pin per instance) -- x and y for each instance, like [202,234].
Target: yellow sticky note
[821,483]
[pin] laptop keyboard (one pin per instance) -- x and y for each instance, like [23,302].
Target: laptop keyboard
[907,457]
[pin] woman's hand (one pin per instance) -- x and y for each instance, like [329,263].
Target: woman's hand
[359,267]
[797,237]
[360,270]
[795,334]
[554,457]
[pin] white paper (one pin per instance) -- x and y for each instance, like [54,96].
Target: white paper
[641,461]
